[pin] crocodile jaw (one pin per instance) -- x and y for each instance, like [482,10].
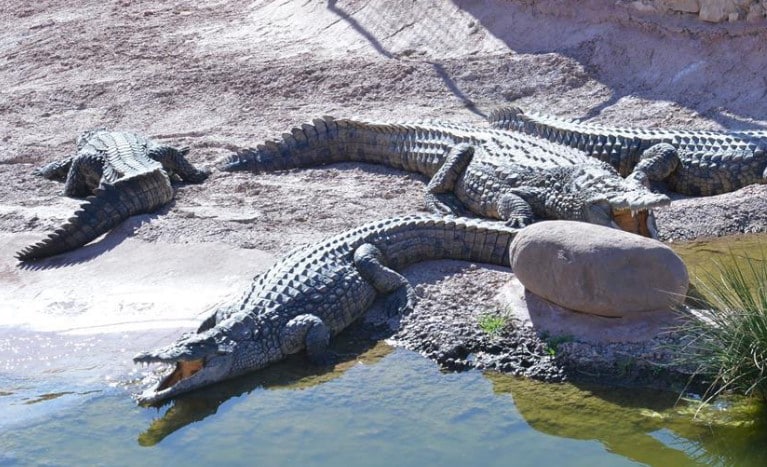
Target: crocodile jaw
[633,213]
[640,222]
[183,376]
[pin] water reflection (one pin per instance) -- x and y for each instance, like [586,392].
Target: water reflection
[292,373]
[650,427]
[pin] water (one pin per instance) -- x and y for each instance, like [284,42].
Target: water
[384,407]
[702,257]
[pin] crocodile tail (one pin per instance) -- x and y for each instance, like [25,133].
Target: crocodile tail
[416,147]
[310,144]
[109,206]
[507,118]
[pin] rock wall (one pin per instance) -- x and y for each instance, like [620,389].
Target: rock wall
[713,11]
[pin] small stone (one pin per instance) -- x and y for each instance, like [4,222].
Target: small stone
[715,11]
[755,13]
[686,6]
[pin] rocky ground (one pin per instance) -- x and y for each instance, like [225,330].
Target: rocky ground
[218,76]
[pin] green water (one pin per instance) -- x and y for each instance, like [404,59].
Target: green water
[385,407]
[380,407]
[703,257]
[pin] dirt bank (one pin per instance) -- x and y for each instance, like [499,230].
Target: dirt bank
[217,76]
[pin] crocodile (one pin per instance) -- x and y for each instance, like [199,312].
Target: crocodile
[125,174]
[492,173]
[314,293]
[693,163]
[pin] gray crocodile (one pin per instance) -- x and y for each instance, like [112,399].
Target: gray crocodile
[696,163]
[497,174]
[314,293]
[127,174]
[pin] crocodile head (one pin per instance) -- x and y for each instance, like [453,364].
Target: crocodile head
[199,359]
[597,194]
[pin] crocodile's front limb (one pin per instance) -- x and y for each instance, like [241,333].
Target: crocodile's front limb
[56,170]
[310,332]
[658,162]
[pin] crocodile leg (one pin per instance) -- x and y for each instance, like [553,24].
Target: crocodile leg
[174,162]
[657,163]
[84,176]
[56,170]
[369,262]
[313,333]
[439,193]
[514,210]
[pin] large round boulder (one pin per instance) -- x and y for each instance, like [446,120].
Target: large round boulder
[598,270]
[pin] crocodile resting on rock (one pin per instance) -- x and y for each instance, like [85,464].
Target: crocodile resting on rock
[127,175]
[314,293]
[697,163]
[493,173]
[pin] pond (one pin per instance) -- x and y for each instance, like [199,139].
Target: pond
[65,403]
[383,407]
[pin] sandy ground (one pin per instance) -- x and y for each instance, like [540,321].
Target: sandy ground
[218,76]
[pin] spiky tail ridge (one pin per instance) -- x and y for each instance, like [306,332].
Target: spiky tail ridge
[508,118]
[416,148]
[109,206]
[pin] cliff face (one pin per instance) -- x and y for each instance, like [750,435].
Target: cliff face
[713,11]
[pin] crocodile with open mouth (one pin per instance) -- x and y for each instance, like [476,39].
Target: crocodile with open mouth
[314,293]
[497,174]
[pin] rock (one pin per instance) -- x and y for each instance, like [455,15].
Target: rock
[643,6]
[686,6]
[716,11]
[755,13]
[598,270]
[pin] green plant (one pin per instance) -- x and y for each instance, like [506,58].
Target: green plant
[492,323]
[729,339]
[553,342]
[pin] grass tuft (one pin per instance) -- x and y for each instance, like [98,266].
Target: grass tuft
[492,323]
[729,342]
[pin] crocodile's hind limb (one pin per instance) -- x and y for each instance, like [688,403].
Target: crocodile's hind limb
[175,164]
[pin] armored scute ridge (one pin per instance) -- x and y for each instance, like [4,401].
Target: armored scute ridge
[314,293]
[126,175]
[697,163]
[516,178]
